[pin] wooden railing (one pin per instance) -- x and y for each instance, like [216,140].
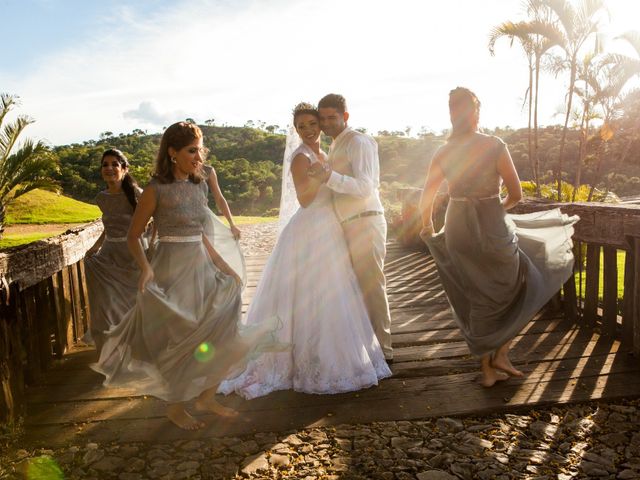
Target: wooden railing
[605,236]
[43,310]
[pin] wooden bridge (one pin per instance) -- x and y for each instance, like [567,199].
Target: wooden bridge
[584,346]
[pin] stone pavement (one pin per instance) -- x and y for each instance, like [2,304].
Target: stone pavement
[571,442]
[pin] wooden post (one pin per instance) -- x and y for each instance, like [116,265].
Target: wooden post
[67,304]
[44,323]
[59,328]
[610,291]
[570,300]
[11,354]
[629,293]
[86,314]
[592,281]
[76,302]
[28,319]
[636,296]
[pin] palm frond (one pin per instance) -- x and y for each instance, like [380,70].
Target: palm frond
[512,31]
[9,135]
[7,102]
[632,37]
[32,163]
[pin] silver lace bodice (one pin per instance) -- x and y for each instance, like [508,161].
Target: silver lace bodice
[116,213]
[180,208]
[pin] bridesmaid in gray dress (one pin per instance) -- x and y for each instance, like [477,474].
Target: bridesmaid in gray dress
[181,338]
[112,273]
[498,270]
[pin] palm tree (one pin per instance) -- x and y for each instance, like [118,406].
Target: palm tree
[23,167]
[606,84]
[587,74]
[625,68]
[576,25]
[518,31]
[536,36]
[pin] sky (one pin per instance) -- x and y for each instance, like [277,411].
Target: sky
[85,67]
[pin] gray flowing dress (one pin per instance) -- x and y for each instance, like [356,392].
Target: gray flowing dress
[182,335]
[498,270]
[112,273]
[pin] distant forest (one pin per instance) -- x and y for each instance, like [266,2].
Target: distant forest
[248,160]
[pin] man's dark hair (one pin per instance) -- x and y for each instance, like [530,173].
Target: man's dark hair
[333,100]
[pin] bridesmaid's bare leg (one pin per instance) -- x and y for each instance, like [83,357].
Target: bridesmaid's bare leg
[489,374]
[501,361]
[206,402]
[181,418]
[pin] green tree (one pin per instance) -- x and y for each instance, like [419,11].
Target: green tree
[23,166]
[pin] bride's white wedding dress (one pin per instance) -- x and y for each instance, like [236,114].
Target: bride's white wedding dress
[309,284]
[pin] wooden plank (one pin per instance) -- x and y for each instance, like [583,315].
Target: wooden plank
[67,411]
[445,400]
[628,296]
[610,291]
[592,283]
[528,348]
[84,296]
[427,337]
[66,301]
[636,296]
[28,318]
[76,302]
[570,302]
[12,393]
[44,323]
[56,299]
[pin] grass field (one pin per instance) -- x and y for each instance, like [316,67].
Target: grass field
[621,257]
[40,206]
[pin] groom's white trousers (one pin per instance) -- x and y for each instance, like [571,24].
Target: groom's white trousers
[366,239]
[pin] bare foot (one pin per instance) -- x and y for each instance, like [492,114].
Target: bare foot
[489,377]
[211,406]
[503,363]
[180,417]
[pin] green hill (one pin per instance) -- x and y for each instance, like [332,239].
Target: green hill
[40,206]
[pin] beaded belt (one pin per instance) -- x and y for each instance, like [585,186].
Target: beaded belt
[369,213]
[115,239]
[466,199]
[181,239]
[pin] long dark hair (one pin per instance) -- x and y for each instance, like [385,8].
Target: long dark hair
[464,108]
[129,184]
[177,136]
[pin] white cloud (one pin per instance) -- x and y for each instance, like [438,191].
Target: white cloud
[149,113]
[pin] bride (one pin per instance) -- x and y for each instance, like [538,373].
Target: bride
[310,285]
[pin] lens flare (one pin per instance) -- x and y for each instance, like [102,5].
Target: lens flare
[205,352]
[44,468]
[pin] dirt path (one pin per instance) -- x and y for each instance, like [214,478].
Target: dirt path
[52,228]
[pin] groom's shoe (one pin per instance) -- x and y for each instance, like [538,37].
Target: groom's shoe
[389,360]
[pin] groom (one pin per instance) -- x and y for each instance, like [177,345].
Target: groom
[354,178]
